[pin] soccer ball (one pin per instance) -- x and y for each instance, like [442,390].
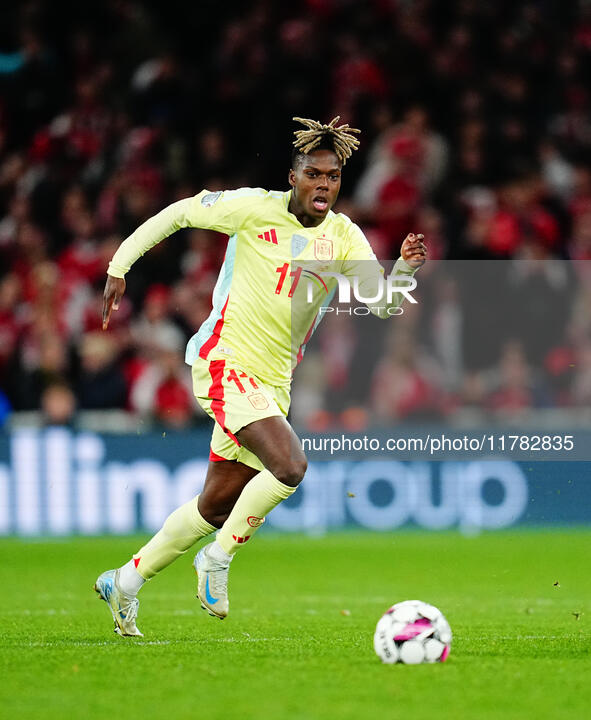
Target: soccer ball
[412,632]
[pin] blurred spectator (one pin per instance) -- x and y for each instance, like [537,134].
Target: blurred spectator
[18,212]
[357,75]
[571,126]
[308,401]
[11,319]
[163,390]
[447,333]
[154,323]
[101,383]
[44,360]
[521,218]
[401,388]
[513,384]
[203,257]
[399,199]
[58,404]
[580,198]
[211,156]
[540,295]
[558,173]
[581,386]
[411,140]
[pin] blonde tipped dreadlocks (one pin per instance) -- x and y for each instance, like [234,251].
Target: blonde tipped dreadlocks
[343,141]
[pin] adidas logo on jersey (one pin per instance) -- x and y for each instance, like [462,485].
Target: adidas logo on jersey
[269,235]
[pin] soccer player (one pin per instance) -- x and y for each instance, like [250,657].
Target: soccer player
[266,303]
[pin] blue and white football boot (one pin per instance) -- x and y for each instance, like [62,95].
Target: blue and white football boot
[123,607]
[212,583]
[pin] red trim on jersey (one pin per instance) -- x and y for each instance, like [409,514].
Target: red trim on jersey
[136,561]
[215,335]
[216,393]
[214,457]
[306,340]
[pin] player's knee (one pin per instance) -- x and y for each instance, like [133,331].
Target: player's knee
[215,513]
[292,471]
[218,519]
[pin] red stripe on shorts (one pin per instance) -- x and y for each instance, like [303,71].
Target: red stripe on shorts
[216,393]
[214,457]
[209,344]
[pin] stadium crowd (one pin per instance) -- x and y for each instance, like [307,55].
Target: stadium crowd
[476,121]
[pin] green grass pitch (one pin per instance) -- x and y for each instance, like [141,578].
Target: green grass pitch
[298,641]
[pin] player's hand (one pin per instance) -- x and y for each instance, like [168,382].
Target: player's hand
[414,250]
[114,289]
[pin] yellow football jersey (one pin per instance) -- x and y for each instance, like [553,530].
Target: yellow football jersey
[276,278]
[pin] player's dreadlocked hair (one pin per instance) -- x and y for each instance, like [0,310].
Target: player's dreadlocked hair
[339,139]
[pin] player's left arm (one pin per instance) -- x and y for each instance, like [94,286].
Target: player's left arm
[414,251]
[362,266]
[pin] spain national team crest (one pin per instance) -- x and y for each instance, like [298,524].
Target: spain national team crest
[323,249]
[258,401]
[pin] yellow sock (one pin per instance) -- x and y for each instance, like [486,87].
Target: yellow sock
[259,497]
[181,529]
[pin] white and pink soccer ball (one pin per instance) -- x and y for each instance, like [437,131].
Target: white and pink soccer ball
[412,632]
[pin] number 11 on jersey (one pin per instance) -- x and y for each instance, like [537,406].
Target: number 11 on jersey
[295,274]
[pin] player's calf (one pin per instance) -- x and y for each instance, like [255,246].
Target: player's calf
[212,563]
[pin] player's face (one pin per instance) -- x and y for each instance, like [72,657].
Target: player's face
[316,183]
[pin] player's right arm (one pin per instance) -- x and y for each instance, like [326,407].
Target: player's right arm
[114,289]
[221,211]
